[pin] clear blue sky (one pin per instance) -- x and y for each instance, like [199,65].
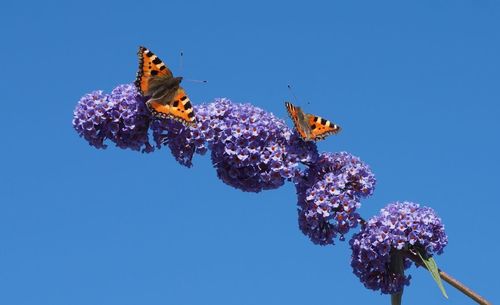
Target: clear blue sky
[415,86]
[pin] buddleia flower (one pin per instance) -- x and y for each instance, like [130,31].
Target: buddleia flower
[329,195]
[120,117]
[90,118]
[129,119]
[399,228]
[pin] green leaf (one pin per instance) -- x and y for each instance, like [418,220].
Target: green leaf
[431,265]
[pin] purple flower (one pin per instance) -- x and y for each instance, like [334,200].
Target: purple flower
[184,141]
[121,117]
[249,151]
[299,151]
[401,226]
[130,119]
[90,117]
[329,194]
[176,136]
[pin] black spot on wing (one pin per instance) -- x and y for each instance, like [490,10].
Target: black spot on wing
[188,106]
[154,72]
[149,53]
[176,103]
[156,61]
[183,98]
[323,121]
[191,114]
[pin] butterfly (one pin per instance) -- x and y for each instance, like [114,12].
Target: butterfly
[309,126]
[167,99]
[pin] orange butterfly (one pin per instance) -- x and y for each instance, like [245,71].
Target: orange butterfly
[166,98]
[309,126]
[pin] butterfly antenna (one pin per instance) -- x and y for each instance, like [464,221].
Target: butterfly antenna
[181,62]
[190,80]
[196,81]
[293,94]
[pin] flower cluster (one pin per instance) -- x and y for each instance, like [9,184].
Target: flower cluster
[120,117]
[400,227]
[250,152]
[184,141]
[329,194]
[129,119]
[251,149]
[90,116]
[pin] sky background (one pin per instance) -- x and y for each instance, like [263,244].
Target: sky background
[415,86]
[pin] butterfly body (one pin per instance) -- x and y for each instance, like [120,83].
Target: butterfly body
[166,98]
[309,126]
[162,88]
[158,85]
[303,125]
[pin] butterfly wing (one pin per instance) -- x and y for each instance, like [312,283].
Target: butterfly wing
[321,128]
[297,116]
[176,106]
[150,66]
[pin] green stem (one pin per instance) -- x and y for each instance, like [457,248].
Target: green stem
[397,267]
[396,298]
